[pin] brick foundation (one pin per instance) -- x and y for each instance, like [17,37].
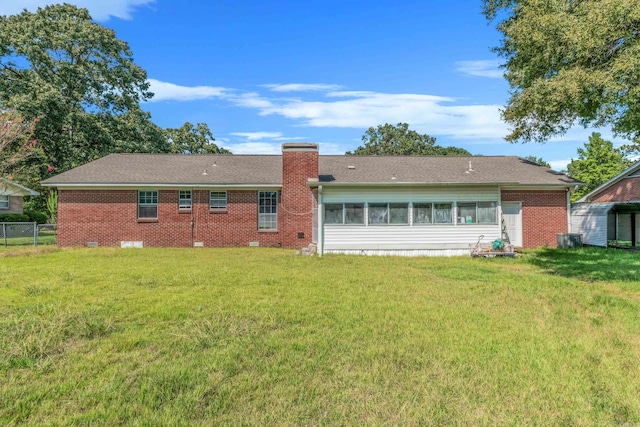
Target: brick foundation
[544,213]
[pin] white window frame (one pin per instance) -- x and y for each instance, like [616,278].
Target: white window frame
[4,201]
[268,221]
[185,203]
[150,198]
[388,215]
[219,202]
[344,213]
[477,221]
[433,213]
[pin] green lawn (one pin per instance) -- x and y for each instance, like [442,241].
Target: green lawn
[262,337]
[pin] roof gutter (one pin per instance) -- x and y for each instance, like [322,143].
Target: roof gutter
[155,185]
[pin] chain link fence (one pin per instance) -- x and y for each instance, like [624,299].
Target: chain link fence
[27,234]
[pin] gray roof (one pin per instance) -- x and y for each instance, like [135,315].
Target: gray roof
[168,169]
[438,170]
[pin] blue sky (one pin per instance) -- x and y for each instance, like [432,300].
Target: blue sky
[261,73]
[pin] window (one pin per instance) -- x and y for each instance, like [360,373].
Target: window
[334,213]
[218,200]
[422,213]
[467,213]
[354,213]
[267,210]
[487,212]
[184,199]
[147,204]
[442,213]
[388,213]
[4,202]
[477,213]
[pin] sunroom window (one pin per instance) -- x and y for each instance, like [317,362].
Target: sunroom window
[388,213]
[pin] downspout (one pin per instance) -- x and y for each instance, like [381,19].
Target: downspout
[568,210]
[320,223]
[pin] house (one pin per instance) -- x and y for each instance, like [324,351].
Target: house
[610,212]
[11,196]
[409,205]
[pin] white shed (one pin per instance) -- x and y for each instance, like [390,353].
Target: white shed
[601,222]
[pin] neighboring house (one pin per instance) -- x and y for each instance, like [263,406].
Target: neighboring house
[11,196]
[611,211]
[366,204]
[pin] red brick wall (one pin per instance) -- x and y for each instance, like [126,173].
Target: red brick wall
[110,216]
[623,191]
[297,197]
[544,214]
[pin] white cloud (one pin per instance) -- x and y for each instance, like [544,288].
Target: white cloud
[362,109]
[101,10]
[301,87]
[483,68]
[559,165]
[256,136]
[254,148]
[164,91]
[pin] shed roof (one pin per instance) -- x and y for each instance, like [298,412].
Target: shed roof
[633,170]
[178,169]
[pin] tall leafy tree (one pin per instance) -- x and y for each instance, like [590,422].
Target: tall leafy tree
[80,80]
[569,62]
[190,139]
[18,148]
[398,140]
[597,163]
[538,161]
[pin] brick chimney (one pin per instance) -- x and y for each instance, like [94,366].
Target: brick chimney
[299,166]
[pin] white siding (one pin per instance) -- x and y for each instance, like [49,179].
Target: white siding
[416,252]
[405,237]
[592,227]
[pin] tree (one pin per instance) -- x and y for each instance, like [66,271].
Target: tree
[538,161]
[190,139]
[569,62]
[17,146]
[400,141]
[79,80]
[597,163]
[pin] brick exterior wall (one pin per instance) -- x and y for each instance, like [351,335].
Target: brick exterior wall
[298,200]
[625,190]
[544,214]
[109,217]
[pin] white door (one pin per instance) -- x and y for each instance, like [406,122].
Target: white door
[512,221]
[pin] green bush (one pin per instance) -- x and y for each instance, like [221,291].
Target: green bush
[37,216]
[14,218]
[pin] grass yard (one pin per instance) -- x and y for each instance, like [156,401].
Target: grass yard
[262,337]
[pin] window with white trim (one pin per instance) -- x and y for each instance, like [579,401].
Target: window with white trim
[344,213]
[477,213]
[388,213]
[267,210]
[432,213]
[147,204]
[218,200]
[4,202]
[184,200]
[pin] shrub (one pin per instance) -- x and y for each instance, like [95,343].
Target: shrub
[14,218]
[37,216]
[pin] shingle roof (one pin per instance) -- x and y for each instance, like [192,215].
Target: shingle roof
[438,170]
[167,169]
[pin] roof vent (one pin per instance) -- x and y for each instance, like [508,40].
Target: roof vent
[351,167]
[470,168]
[393,177]
[204,172]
